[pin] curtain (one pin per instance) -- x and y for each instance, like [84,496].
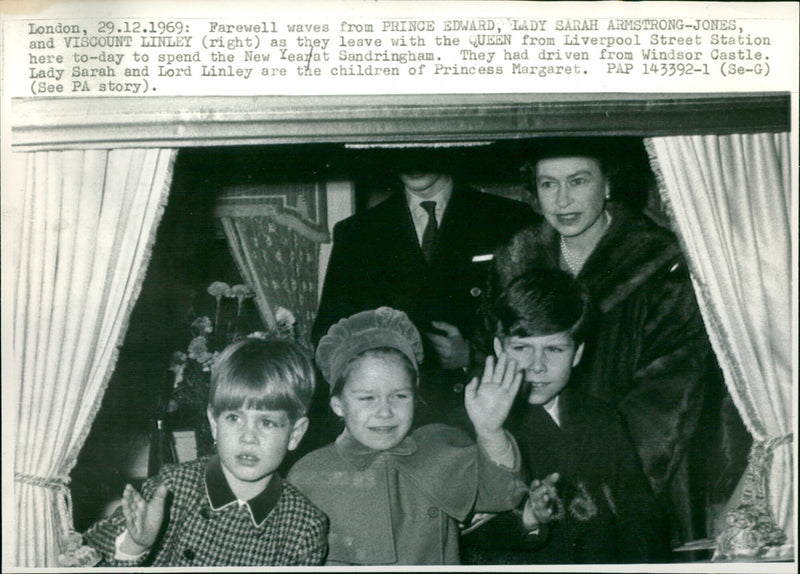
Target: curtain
[85,223]
[274,234]
[729,197]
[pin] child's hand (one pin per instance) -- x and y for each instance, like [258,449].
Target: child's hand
[543,503]
[143,519]
[488,404]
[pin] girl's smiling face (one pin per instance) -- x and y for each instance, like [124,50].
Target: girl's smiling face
[377,400]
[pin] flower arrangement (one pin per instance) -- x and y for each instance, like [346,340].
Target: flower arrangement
[188,397]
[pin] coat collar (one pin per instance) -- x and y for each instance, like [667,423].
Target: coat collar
[394,229]
[426,457]
[220,495]
[569,409]
[631,251]
[361,456]
[460,211]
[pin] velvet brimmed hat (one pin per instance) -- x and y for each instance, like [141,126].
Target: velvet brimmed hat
[381,327]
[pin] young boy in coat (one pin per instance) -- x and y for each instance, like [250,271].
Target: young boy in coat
[600,506]
[231,509]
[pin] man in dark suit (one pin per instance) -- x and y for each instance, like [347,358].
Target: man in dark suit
[425,250]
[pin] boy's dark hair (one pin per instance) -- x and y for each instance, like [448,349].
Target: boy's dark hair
[540,302]
[264,375]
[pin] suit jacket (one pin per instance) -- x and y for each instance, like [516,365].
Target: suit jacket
[377,260]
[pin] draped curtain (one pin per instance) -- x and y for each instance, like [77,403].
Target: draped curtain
[85,223]
[729,197]
[274,234]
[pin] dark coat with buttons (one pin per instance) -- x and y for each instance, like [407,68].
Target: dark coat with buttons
[377,260]
[402,506]
[206,526]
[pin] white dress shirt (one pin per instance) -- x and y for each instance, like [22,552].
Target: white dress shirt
[418,213]
[553,410]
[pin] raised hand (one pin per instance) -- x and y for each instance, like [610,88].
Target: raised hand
[143,519]
[452,349]
[543,504]
[488,403]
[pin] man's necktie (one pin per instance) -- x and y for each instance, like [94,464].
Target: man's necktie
[431,229]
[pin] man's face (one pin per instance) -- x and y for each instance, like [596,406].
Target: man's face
[546,360]
[572,193]
[423,185]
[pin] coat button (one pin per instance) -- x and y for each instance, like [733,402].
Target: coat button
[433,512]
[205,513]
[458,388]
[475,291]
[188,554]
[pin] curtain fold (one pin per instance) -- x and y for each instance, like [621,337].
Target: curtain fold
[729,197]
[281,265]
[274,232]
[85,222]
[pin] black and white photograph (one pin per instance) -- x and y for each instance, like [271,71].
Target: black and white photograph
[400,285]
